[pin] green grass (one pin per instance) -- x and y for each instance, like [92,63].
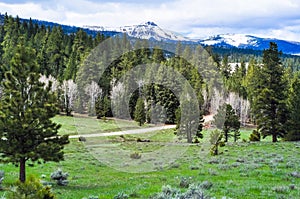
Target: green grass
[243,170]
[88,125]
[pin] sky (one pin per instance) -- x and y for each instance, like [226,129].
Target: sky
[192,18]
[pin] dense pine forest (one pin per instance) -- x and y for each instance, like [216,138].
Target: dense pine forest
[50,76]
[261,87]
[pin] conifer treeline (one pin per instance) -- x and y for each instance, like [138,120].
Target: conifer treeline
[61,58]
[58,53]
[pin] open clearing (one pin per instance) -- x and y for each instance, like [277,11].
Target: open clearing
[243,170]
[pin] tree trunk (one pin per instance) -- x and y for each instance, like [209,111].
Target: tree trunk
[226,136]
[22,176]
[189,138]
[189,133]
[68,112]
[274,138]
[216,152]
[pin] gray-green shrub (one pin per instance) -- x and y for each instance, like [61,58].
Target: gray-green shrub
[193,192]
[60,177]
[1,178]
[121,195]
[91,197]
[184,182]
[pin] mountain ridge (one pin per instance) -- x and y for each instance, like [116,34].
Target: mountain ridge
[151,31]
[246,41]
[148,30]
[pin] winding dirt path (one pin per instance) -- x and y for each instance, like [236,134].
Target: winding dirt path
[127,132]
[207,118]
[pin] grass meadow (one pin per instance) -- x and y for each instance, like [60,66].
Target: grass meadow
[242,170]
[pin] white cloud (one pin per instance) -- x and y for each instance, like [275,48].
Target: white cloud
[197,18]
[26,10]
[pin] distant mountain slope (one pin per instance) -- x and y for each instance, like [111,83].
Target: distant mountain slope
[153,32]
[148,30]
[66,28]
[250,42]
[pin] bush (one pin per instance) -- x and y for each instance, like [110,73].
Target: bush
[194,191]
[3,196]
[135,155]
[206,185]
[1,178]
[194,167]
[92,197]
[196,141]
[121,195]
[185,182]
[295,174]
[60,177]
[31,189]
[82,139]
[292,137]
[167,192]
[280,189]
[254,136]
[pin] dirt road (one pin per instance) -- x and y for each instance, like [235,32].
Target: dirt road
[135,131]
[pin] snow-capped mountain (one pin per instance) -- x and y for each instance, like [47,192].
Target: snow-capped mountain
[151,31]
[237,40]
[148,30]
[251,42]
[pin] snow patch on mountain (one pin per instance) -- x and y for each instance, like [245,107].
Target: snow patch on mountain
[151,31]
[237,40]
[148,30]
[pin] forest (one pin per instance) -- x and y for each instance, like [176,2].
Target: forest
[262,89]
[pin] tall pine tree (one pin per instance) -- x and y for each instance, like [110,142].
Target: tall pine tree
[270,103]
[294,110]
[140,113]
[26,109]
[227,120]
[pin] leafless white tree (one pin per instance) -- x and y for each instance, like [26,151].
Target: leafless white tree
[119,100]
[46,80]
[70,92]
[93,91]
[217,100]
[245,111]
[240,105]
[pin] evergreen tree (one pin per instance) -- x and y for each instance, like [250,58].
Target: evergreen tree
[158,55]
[253,84]
[186,126]
[225,67]
[42,57]
[140,113]
[79,49]
[11,37]
[228,121]
[293,124]
[165,93]
[254,136]
[215,139]
[26,129]
[103,107]
[54,52]
[270,102]
[236,135]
